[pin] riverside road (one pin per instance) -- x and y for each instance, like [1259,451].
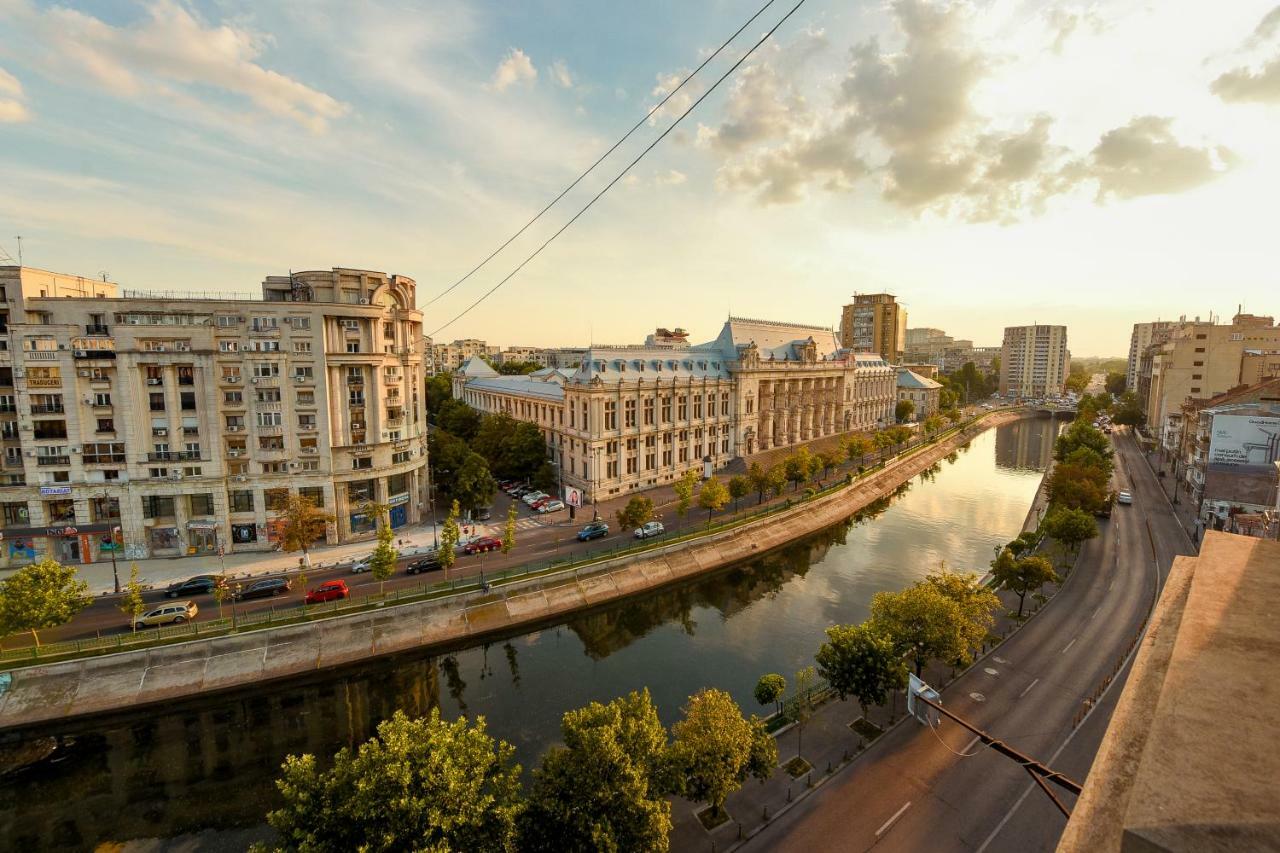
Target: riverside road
[942,790]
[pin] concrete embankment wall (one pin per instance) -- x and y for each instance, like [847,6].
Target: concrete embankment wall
[127,680]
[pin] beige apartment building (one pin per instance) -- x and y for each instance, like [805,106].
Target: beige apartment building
[1034,361]
[874,322]
[632,417]
[1143,336]
[446,357]
[1200,360]
[182,419]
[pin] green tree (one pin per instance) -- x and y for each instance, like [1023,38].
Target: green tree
[509,530]
[301,524]
[1023,543]
[798,466]
[776,477]
[439,389]
[770,689]
[382,562]
[131,603]
[637,511]
[739,488]
[1076,382]
[712,496]
[524,452]
[1020,575]
[953,415]
[457,418]
[882,441]
[899,435]
[450,535]
[903,411]
[446,454]
[858,661]
[42,595]
[803,706]
[921,622]
[518,368]
[758,477]
[222,590]
[419,784]
[474,486]
[1078,487]
[1081,434]
[1070,526]
[684,491]
[714,749]
[933,423]
[977,604]
[830,459]
[856,448]
[1116,382]
[602,790]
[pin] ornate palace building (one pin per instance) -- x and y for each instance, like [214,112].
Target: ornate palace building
[629,418]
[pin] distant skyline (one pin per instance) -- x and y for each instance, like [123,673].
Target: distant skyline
[990,163]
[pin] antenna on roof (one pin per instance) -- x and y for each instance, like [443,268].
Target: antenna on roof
[18,237]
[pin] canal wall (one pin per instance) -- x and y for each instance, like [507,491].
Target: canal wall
[128,680]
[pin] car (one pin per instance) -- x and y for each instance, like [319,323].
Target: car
[167,614]
[650,528]
[264,588]
[506,484]
[552,505]
[334,590]
[594,530]
[361,566]
[429,563]
[520,490]
[533,497]
[482,544]
[198,585]
[482,514]
[541,502]
[1124,498]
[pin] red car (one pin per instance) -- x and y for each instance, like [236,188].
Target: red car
[484,543]
[540,501]
[328,591]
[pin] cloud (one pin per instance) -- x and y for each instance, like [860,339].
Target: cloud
[12,108]
[561,75]
[1064,21]
[1246,85]
[169,53]
[516,67]
[670,178]
[1145,158]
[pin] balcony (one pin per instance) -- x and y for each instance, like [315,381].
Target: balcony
[95,329]
[104,459]
[235,377]
[309,449]
[270,429]
[8,408]
[394,423]
[265,380]
[40,355]
[53,460]
[48,409]
[174,456]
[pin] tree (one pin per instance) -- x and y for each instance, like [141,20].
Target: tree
[382,562]
[221,590]
[1087,457]
[739,488]
[797,466]
[602,789]
[131,604]
[882,441]
[712,496]
[830,459]
[1070,526]
[439,389]
[509,530]
[898,435]
[684,491]
[770,689]
[758,476]
[419,784]
[933,423]
[637,511]
[803,707]
[953,415]
[856,448]
[1081,434]
[545,479]
[524,451]
[301,524]
[1078,487]
[474,486]
[776,477]
[1128,410]
[921,622]
[42,595]
[1023,543]
[858,661]
[518,368]
[903,411]
[1020,575]
[714,749]
[1116,382]
[450,535]
[977,604]
[446,454]
[1076,382]
[457,418]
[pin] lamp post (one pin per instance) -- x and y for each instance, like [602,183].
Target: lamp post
[115,528]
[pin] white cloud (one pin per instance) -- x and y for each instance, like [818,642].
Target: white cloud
[516,67]
[670,178]
[170,53]
[12,108]
[679,102]
[561,74]
[1244,84]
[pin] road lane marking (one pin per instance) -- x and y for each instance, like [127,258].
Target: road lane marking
[1028,690]
[1070,644]
[1095,612]
[1111,585]
[888,823]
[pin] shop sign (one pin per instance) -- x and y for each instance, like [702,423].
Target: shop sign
[57,530]
[396,500]
[55,490]
[202,524]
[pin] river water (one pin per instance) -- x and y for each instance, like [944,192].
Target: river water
[209,764]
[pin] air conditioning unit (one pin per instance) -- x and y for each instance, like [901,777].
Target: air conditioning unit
[364,300]
[234,428]
[298,377]
[235,378]
[233,452]
[182,347]
[254,380]
[293,464]
[31,453]
[159,348]
[80,353]
[240,319]
[84,374]
[175,475]
[154,380]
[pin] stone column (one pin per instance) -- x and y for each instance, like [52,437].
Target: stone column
[766,430]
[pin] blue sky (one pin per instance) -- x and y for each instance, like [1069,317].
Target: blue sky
[992,163]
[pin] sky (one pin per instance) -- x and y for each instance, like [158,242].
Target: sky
[992,163]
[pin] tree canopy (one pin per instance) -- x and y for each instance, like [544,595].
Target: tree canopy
[684,490]
[921,622]
[903,411]
[457,418]
[770,688]
[473,487]
[301,522]
[859,661]
[714,749]
[635,513]
[712,496]
[1020,575]
[42,595]
[1070,526]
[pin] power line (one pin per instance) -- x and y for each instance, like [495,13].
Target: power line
[623,173]
[602,157]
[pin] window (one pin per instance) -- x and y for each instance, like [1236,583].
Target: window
[231,373]
[629,413]
[309,465]
[106,425]
[188,399]
[265,346]
[157,506]
[399,457]
[201,504]
[269,419]
[724,402]
[697,405]
[306,398]
[241,500]
[101,399]
[610,415]
[226,320]
[303,372]
[186,375]
[362,463]
[682,408]
[314,493]
[1199,349]
[307,422]
[265,369]
[300,322]
[268,395]
[15,514]
[274,468]
[234,398]
[264,324]
[235,423]
[648,412]
[237,468]
[157,402]
[353,346]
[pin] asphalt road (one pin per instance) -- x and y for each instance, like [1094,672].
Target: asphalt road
[915,791]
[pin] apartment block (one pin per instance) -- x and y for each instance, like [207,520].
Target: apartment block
[182,420]
[1034,361]
[874,322]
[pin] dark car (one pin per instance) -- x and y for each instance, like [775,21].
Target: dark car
[594,530]
[429,563]
[198,585]
[264,588]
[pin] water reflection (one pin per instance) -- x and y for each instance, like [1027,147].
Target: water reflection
[212,764]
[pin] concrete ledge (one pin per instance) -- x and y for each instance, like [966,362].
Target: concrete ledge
[126,680]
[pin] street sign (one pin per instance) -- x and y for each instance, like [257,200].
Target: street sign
[924,714]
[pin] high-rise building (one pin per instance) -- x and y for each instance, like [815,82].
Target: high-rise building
[1143,336]
[874,322]
[1034,361]
[183,420]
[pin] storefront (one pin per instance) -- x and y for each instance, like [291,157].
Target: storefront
[202,536]
[68,544]
[163,540]
[243,534]
[399,513]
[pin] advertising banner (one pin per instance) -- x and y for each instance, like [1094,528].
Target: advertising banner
[572,496]
[1244,443]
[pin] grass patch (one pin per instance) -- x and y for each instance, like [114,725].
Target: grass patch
[711,818]
[797,767]
[867,729]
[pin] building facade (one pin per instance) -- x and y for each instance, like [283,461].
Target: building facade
[633,417]
[1034,361]
[922,392]
[874,322]
[1143,336]
[182,421]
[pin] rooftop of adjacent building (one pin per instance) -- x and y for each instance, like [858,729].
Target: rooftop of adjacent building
[1190,759]
[874,298]
[912,380]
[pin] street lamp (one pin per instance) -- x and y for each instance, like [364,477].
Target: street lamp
[115,528]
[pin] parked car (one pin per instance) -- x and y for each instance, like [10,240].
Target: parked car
[552,505]
[359,567]
[520,490]
[264,588]
[594,530]
[541,502]
[482,544]
[168,614]
[198,585]
[482,514]
[328,591]
[429,563]
[1124,497]
[650,528]
[533,497]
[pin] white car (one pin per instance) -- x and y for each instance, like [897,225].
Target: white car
[1124,498]
[533,497]
[650,528]
[551,506]
[360,566]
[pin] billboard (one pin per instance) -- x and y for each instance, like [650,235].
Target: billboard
[572,496]
[1242,443]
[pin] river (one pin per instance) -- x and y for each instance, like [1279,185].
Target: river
[209,764]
